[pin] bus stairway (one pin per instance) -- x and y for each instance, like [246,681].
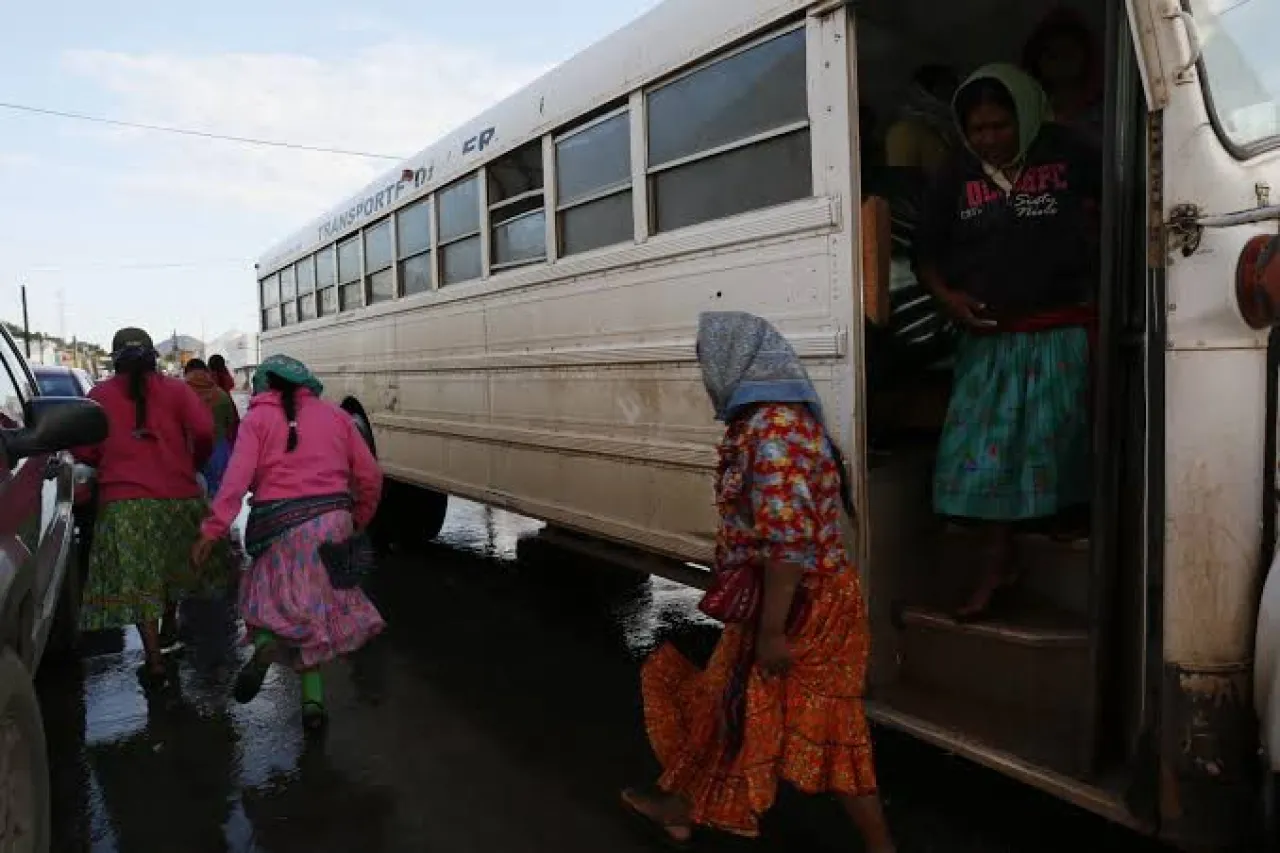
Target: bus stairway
[1017,680]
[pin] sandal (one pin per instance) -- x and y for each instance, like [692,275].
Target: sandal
[658,830]
[252,674]
[315,719]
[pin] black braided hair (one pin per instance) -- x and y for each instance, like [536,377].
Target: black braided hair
[137,366]
[288,398]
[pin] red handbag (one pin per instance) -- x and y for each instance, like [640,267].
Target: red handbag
[734,595]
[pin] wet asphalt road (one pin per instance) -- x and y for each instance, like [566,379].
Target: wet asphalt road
[499,713]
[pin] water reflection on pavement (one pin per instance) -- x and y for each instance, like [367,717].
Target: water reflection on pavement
[499,713]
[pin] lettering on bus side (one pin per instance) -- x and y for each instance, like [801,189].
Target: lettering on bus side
[387,197]
[479,142]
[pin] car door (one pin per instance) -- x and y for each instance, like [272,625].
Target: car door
[43,490]
[23,579]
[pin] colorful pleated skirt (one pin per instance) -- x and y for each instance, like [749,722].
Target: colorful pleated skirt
[1016,442]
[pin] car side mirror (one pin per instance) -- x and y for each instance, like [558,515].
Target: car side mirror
[55,424]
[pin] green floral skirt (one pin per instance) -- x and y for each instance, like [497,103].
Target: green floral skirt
[1016,441]
[141,560]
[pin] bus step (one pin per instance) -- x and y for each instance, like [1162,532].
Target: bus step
[1056,741]
[1034,662]
[1052,570]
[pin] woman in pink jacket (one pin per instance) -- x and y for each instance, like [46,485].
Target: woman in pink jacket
[315,488]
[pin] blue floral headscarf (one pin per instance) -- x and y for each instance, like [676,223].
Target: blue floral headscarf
[745,360]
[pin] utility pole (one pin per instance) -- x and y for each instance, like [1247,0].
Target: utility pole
[26,324]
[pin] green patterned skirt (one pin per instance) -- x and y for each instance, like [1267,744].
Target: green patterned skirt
[141,559]
[1015,445]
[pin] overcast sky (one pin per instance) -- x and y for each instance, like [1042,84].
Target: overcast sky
[91,213]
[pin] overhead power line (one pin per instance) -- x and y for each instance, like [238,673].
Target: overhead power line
[110,265]
[202,134]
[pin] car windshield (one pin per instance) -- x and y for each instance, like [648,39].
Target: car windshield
[58,385]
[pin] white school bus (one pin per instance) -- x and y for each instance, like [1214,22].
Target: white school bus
[513,310]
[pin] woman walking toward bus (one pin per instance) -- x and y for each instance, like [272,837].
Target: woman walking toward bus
[781,699]
[150,500]
[1009,246]
[226,420]
[315,488]
[218,367]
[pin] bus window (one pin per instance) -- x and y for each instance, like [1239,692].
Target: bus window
[380,279]
[326,283]
[732,136]
[459,217]
[288,297]
[593,185]
[413,242]
[516,208]
[1243,69]
[305,271]
[270,302]
[349,288]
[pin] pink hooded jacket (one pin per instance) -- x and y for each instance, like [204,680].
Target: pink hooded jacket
[331,458]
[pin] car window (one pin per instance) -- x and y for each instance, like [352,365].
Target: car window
[11,397]
[58,385]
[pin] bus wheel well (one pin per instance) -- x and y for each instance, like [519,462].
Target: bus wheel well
[353,407]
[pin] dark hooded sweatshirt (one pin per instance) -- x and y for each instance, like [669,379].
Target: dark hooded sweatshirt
[1029,251]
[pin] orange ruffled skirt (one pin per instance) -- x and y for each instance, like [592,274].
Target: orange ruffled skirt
[807,728]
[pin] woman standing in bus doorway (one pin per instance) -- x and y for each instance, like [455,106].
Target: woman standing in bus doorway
[150,501]
[218,367]
[1009,246]
[781,699]
[315,489]
[226,420]
[1062,56]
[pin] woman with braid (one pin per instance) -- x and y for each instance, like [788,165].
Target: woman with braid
[150,501]
[315,487]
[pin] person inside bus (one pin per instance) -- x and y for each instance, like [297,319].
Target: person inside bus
[781,699]
[151,504]
[1009,246]
[1063,56]
[924,133]
[226,419]
[315,489]
[218,367]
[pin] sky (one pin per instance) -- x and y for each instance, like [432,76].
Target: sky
[110,227]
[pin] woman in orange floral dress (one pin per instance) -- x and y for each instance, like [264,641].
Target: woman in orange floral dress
[781,698]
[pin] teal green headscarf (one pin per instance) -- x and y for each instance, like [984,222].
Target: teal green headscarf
[288,369]
[1029,101]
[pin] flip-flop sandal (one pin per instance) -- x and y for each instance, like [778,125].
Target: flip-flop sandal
[249,681]
[315,719]
[654,828]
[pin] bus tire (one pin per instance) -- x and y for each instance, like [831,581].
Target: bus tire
[411,517]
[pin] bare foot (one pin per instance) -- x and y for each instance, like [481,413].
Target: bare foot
[980,600]
[668,813]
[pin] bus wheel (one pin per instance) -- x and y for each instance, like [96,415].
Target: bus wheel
[410,516]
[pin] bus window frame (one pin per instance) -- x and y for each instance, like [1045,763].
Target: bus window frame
[480,178]
[1242,153]
[627,185]
[358,281]
[651,171]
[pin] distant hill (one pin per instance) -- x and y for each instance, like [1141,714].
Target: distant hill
[184,343]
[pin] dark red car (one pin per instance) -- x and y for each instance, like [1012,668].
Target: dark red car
[39,574]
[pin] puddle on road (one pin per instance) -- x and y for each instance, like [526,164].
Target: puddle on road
[200,758]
